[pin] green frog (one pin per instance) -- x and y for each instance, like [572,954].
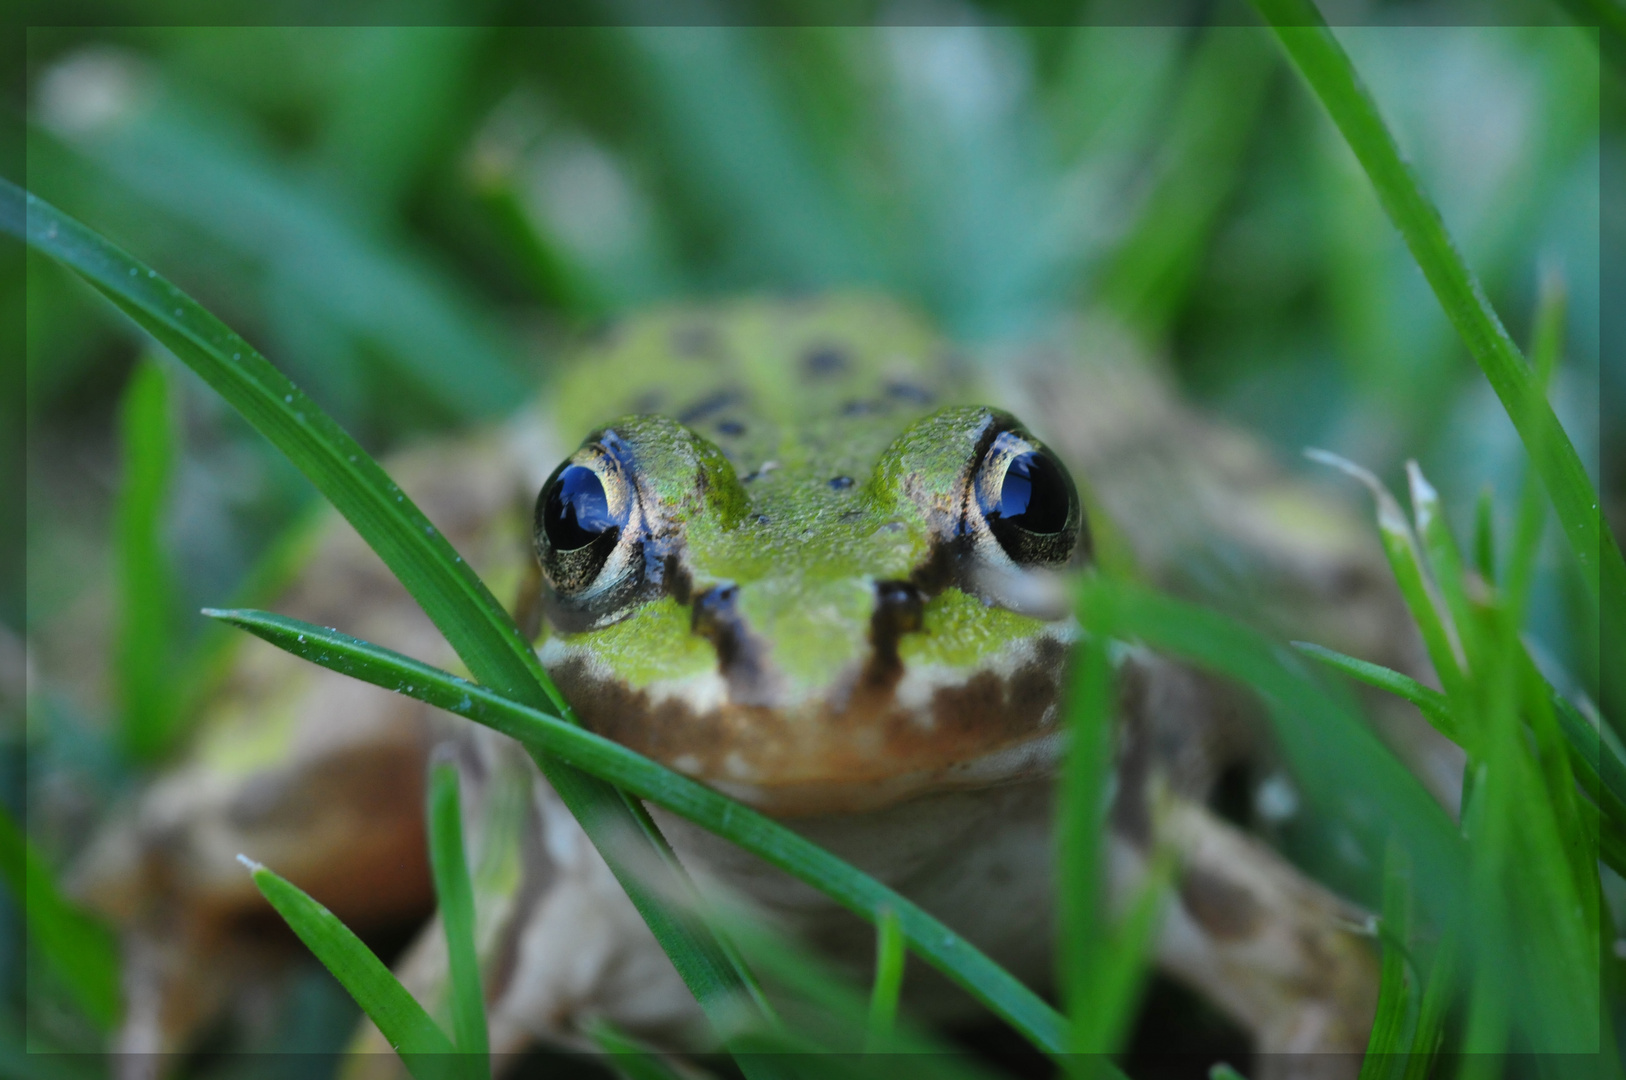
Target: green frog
[812,556]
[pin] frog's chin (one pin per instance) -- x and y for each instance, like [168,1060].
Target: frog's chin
[861,744]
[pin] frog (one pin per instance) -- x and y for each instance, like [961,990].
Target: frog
[807,552]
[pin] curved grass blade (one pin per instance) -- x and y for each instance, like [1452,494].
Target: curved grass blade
[1430,702]
[425,1050]
[1325,66]
[756,833]
[454,598]
[455,894]
[890,954]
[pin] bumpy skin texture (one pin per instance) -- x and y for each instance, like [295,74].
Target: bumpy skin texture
[920,749]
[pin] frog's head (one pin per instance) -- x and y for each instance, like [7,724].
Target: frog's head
[833,617]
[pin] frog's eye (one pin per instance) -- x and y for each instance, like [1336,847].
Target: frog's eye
[580,515]
[1028,500]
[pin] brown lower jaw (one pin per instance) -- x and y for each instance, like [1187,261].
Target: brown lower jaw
[865,752]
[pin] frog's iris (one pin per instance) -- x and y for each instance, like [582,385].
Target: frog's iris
[576,511]
[1034,495]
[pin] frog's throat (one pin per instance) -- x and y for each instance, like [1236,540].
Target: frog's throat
[856,745]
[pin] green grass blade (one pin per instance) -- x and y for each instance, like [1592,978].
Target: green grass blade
[425,1050]
[889,959]
[1430,702]
[453,597]
[1485,536]
[628,1056]
[1128,953]
[455,893]
[1325,66]
[1398,1003]
[144,653]
[734,821]
[1437,994]
[80,950]
[1080,851]
[1406,563]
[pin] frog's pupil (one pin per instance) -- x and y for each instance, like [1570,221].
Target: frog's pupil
[1033,495]
[577,510]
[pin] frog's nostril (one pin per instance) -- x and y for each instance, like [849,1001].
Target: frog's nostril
[714,618]
[899,609]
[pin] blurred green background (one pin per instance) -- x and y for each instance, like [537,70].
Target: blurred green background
[413,222]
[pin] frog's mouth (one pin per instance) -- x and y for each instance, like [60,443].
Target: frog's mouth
[882,731]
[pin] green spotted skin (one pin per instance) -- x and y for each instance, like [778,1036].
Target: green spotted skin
[800,460]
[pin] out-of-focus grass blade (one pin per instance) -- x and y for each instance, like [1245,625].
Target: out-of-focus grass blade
[1398,993]
[1221,1071]
[629,1057]
[1339,761]
[1437,994]
[1433,704]
[1325,66]
[455,894]
[80,951]
[1215,116]
[454,598]
[752,831]
[1092,987]
[425,1050]
[145,650]
[890,954]
[1485,536]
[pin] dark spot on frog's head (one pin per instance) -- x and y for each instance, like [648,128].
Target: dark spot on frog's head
[697,341]
[824,362]
[840,483]
[731,428]
[911,392]
[709,405]
[763,519]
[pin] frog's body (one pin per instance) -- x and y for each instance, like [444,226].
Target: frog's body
[785,579]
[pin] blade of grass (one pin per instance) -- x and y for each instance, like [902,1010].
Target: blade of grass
[1325,66]
[628,1056]
[1433,704]
[1080,840]
[889,959]
[455,893]
[424,1048]
[454,598]
[1406,563]
[80,950]
[1393,1027]
[752,831]
[145,648]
